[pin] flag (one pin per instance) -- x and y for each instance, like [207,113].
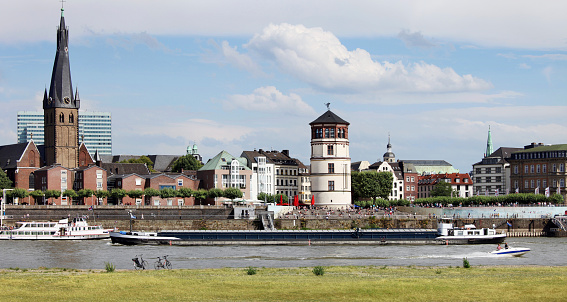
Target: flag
[90,208]
[508,223]
[496,192]
[536,191]
[517,190]
[547,192]
[312,200]
[132,216]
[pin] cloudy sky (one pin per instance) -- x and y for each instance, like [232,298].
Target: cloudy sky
[239,75]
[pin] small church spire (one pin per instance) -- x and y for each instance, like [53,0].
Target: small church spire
[489,148]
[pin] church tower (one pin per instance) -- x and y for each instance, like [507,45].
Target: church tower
[61,108]
[389,156]
[489,148]
[330,161]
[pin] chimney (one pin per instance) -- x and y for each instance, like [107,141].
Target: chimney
[285,152]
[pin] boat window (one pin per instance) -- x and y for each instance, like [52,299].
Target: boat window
[33,225]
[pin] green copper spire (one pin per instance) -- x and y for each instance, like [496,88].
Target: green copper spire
[489,148]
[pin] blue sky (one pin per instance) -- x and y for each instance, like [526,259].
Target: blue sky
[239,75]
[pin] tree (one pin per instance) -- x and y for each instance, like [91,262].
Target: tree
[186,162]
[135,194]
[200,195]
[167,193]
[232,193]
[281,197]
[37,194]
[118,194]
[52,194]
[214,193]
[184,192]
[5,182]
[142,160]
[100,194]
[371,184]
[85,193]
[18,193]
[70,194]
[265,197]
[442,188]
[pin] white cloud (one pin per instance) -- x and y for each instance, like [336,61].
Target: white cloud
[415,39]
[128,41]
[548,72]
[241,61]
[270,100]
[317,57]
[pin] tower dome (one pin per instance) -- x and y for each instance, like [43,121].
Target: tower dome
[389,156]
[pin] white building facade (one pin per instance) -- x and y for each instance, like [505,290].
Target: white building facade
[330,161]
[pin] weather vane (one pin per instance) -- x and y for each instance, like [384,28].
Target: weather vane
[328,106]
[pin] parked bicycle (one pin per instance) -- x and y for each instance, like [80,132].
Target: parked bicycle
[139,263]
[162,263]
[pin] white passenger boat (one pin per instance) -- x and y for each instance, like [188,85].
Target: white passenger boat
[511,251]
[469,234]
[64,229]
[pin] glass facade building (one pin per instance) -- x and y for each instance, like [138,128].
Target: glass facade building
[95,129]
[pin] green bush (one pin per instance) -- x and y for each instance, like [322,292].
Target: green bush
[466,263]
[251,270]
[319,271]
[109,267]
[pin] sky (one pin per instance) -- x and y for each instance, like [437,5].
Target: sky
[244,75]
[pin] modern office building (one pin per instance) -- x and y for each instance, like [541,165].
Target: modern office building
[95,129]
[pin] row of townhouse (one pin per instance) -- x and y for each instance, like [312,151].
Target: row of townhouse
[534,168]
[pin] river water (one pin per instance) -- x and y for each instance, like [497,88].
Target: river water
[94,254]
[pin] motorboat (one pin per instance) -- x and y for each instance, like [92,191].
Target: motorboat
[468,234]
[64,229]
[511,251]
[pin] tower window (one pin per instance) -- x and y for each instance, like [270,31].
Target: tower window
[61,118]
[331,168]
[71,118]
[331,185]
[330,150]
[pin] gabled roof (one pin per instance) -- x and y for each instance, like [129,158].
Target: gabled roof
[125,168]
[329,118]
[46,168]
[561,147]
[11,154]
[163,163]
[223,159]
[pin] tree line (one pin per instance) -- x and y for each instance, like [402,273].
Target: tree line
[119,194]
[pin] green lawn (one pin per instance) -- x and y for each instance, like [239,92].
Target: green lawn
[289,284]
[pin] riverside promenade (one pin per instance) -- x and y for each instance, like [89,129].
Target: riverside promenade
[516,221]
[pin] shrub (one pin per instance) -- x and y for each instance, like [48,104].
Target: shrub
[319,271]
[466,263]
[251,270]
[109,267]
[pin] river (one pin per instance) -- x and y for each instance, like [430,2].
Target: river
[94,254]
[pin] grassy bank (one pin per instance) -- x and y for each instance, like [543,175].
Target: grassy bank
[288,284]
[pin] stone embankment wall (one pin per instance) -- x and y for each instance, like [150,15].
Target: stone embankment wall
[154,218]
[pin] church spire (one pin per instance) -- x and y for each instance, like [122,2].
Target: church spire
[61,88]
[489,148]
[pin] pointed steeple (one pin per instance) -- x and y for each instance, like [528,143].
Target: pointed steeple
[489,148]
[61,88]
[389,156]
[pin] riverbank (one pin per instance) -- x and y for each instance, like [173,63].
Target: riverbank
[352,283]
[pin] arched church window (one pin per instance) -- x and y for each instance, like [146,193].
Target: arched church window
[71,118]
[61,118]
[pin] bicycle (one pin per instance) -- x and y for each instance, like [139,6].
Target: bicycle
[162,264]
[139,263]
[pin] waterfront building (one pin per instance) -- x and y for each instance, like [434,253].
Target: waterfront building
[263,173]
[539,167]
[286,173]
[304,185]
[95,129]
[19,161]
[90,177]
[491,175]
[461,184]
[397,191]
[54,177]
[225,171]
[330,161]
[424,167]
